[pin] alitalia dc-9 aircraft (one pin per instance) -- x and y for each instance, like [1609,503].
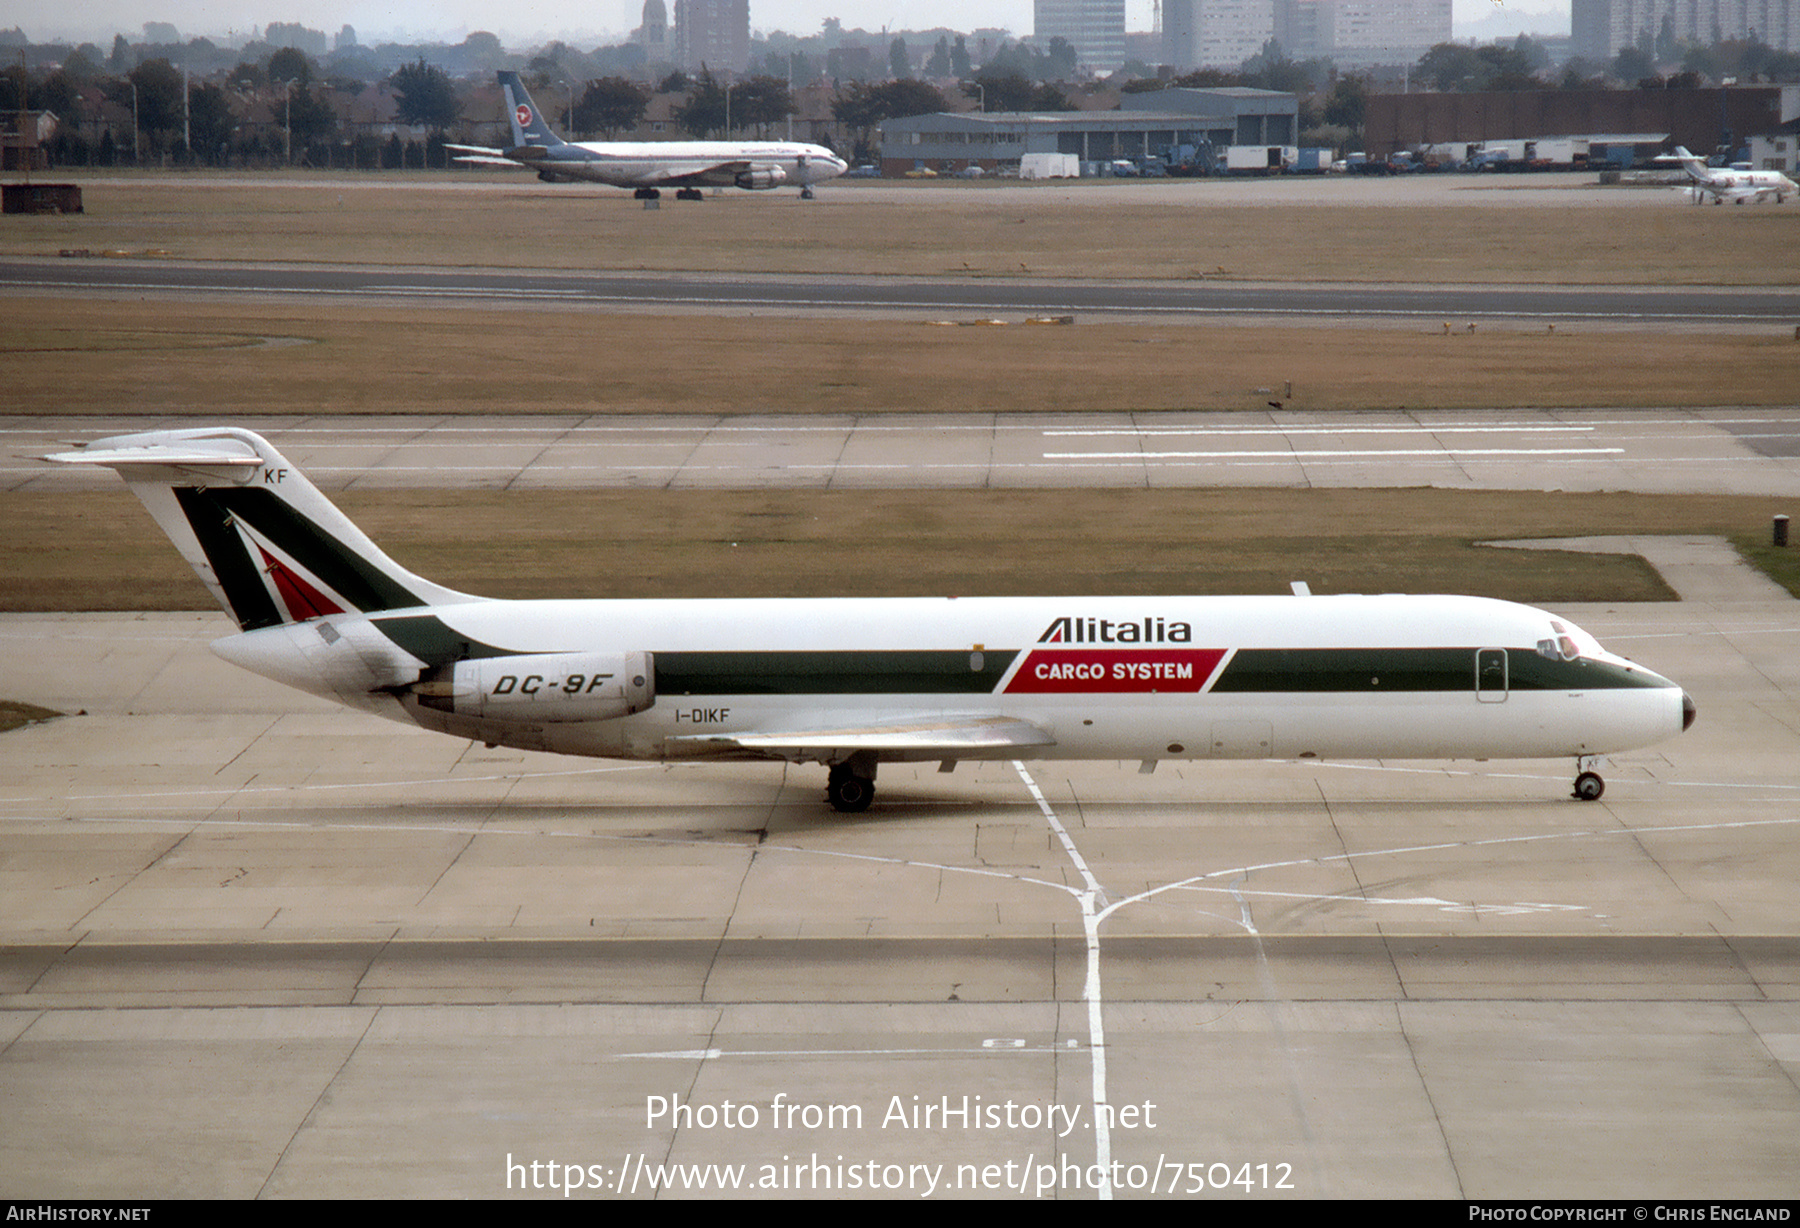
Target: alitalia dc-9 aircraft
[854,683]
[650,166]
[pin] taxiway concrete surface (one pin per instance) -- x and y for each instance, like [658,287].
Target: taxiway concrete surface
[251,944]
[1723,451]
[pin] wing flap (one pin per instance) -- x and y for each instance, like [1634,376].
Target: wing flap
[952,737]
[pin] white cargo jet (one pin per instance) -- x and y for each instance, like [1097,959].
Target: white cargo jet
[650,166]
[1738,185]
[853,683]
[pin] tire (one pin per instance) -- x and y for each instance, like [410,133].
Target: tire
[850,794]
[1589,787]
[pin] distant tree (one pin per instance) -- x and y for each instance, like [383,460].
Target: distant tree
[247,76]
[1449,68]
[860,107]
[1632,64]
[960,64]
[760,102]
[122,60]
[484,50]
[1348,103]
[898,99]
[704,111]
[1001,91]
[311,118]
[1047,97]
[83,63]
[938,63]
[210,122]
[290,64]
[1060,61]
[899,59]
[611,105]
[425,96]
[158,100]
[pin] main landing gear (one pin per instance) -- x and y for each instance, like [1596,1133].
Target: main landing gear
[806,192]
[850,787]
[688,194]
[647,194]
[1588,785]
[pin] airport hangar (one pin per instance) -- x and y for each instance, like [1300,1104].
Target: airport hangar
[1145,126]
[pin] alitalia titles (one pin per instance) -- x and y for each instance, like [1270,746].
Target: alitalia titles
[1108,631]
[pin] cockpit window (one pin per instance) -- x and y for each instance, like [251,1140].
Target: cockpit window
[1560,647]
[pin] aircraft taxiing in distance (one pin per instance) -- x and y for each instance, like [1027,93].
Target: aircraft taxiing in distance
[1738,184]
[853,683]
[650,166]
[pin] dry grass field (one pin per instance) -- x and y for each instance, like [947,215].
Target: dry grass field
[81,356]
[102,552]
[1316,230]
[94,355]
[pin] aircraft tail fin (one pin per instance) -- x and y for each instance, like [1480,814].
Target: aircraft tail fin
[1692,165]
[271,547]
[528,126]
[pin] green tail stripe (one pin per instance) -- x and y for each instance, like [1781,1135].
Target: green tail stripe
[365,586]
[237,572]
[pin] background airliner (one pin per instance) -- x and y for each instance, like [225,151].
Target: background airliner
[649,166]
[1738,186]
[853,683]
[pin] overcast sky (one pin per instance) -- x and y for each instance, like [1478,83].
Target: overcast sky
[524,23]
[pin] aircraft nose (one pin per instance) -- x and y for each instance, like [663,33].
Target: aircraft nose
[1688,711]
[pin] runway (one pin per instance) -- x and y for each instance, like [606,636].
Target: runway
[1727,451]
[254,945]
[1159,302]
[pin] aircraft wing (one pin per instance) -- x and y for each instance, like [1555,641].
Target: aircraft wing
[482,155]
[678,173]
[947,738]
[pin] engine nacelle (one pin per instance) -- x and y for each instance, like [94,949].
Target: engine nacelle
[762,177]
[558,686]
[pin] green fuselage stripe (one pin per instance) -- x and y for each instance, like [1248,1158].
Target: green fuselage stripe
[1370,670]
[830,673]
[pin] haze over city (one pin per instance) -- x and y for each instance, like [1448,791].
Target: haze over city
[534,23]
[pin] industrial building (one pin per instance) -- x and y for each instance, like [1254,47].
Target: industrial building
[1701,119]
[1148,125]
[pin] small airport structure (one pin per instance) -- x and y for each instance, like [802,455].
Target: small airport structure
[1149,126]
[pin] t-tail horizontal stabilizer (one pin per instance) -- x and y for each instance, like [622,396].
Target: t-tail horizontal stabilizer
[269,545]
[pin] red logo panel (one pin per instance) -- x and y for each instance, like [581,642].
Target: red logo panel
[523,114]
[1087,671]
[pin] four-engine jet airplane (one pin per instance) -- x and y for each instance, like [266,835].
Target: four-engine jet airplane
[853,683]
[1721,184]
[650,166]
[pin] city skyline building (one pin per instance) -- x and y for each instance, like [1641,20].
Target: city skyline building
[1095,28]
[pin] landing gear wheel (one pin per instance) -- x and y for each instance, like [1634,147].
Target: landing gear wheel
[647,194]
[1589,787]
[849,793]
[688,194]
[806,193]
